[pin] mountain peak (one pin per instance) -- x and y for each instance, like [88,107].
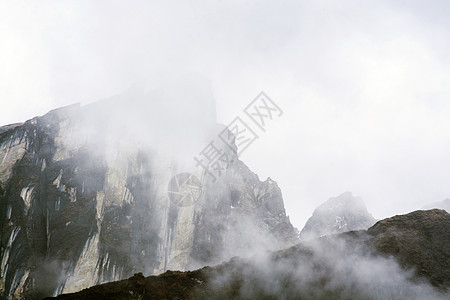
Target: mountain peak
[90,194]
[338,214]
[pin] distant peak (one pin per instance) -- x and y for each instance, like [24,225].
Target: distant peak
[338,214]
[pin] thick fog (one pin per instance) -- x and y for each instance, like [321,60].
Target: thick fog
[363,85]
[327,268]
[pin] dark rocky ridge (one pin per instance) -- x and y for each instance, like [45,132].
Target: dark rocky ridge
[83,196]
[337,215]
[419,241]
[444,204]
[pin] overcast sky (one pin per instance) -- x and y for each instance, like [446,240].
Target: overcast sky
[364,85]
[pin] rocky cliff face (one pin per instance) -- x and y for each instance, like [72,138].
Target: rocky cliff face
[337,215]
[403,257]
[94,194]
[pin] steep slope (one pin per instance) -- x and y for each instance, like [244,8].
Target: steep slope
[96,193]
[352,265]
[420,239]
[337,215]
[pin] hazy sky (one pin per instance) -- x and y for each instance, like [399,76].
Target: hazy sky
[364,85]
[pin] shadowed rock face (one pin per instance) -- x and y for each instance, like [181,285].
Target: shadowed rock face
[84,196]
[351,265]
[337,215]
[420,239]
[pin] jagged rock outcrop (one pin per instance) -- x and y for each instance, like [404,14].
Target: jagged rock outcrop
[337,215]
[97,193]
[396,258]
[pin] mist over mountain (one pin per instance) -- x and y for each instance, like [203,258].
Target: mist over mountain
[402,257]
[189,149]
[92,194]
[339,214]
